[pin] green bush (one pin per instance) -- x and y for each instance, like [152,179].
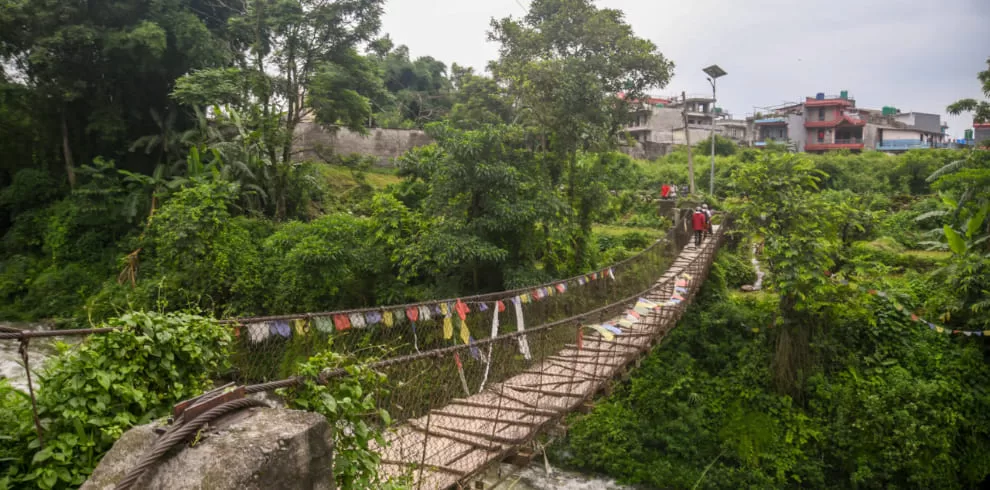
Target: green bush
[736,269]
[88,395]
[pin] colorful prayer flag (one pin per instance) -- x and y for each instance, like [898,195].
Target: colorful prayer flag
[341,322]
[281,327]
[412,313]
[448,328]
[462,309]
[605,333]
[301,326]
[387,318]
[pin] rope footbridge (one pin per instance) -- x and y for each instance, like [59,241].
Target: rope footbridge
[453,443]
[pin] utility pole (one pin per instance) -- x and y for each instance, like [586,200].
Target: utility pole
[713,72]
[711,181]
[687,138]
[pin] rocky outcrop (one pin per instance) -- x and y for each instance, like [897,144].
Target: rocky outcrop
[254,449]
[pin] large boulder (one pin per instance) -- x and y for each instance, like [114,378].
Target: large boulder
[260,448]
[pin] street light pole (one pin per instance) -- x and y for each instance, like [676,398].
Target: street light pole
[711,181]
[713,72]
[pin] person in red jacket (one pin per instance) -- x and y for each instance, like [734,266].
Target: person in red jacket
[700,221]
[665,191]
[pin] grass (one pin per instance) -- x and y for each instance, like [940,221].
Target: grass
[341,178]
[933,255]
[618,230]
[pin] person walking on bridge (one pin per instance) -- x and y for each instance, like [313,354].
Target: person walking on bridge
[700,221]
[708,218]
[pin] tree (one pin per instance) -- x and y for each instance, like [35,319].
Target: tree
[97,69]
[488,195]
[964,216]
[779,199]
[564,64]
[980,109]
[477,99]
[299,61]
[417,92]
[724,147]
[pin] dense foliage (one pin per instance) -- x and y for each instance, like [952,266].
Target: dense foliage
[890,404]
[91,393]
[815,383]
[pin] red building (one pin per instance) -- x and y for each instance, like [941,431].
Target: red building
[832,123]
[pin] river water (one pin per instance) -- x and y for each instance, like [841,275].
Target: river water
[535,477]
[11,366]
[759,272]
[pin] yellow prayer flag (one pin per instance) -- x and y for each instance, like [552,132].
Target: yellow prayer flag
[939,329]
[603,331]
[443,309]
[299,325]
[465,333]
[387,318]
[448,327]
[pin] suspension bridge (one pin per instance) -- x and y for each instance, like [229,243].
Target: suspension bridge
[471,380]
[456,441]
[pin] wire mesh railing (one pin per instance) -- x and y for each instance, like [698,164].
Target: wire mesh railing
[269,347]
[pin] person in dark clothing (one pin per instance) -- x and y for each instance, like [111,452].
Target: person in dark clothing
[700,221]
[708,218]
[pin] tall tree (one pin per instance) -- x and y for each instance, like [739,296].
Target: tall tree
[780,201]
[565,63]
[980,109]
[97,69]
[477,99]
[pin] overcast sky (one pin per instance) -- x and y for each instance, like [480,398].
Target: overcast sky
[914,55]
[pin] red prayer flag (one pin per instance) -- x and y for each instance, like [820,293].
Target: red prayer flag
[341,322]
[500,305]
[462,309]
[457,359]
[412,313]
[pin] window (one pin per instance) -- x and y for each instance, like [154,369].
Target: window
[821,113]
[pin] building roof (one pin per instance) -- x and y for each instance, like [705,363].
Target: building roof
[771,120]
[981,125]
[812,102]
[648,100]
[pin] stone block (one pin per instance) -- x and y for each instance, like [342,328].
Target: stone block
[255,449]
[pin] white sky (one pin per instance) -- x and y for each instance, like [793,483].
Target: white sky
[914,55]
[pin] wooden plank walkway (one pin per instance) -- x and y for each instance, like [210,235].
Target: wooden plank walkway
[451,444]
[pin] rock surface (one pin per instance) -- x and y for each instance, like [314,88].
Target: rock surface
[260,448]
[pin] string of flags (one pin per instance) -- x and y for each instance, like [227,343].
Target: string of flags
[445,310]
[914,317]
[643,306]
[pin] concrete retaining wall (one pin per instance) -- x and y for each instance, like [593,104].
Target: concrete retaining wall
[385,145]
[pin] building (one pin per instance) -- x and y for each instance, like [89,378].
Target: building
[736,130]
[981,133]
[661,121]
[833,122]
[781,125]
[892,131]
